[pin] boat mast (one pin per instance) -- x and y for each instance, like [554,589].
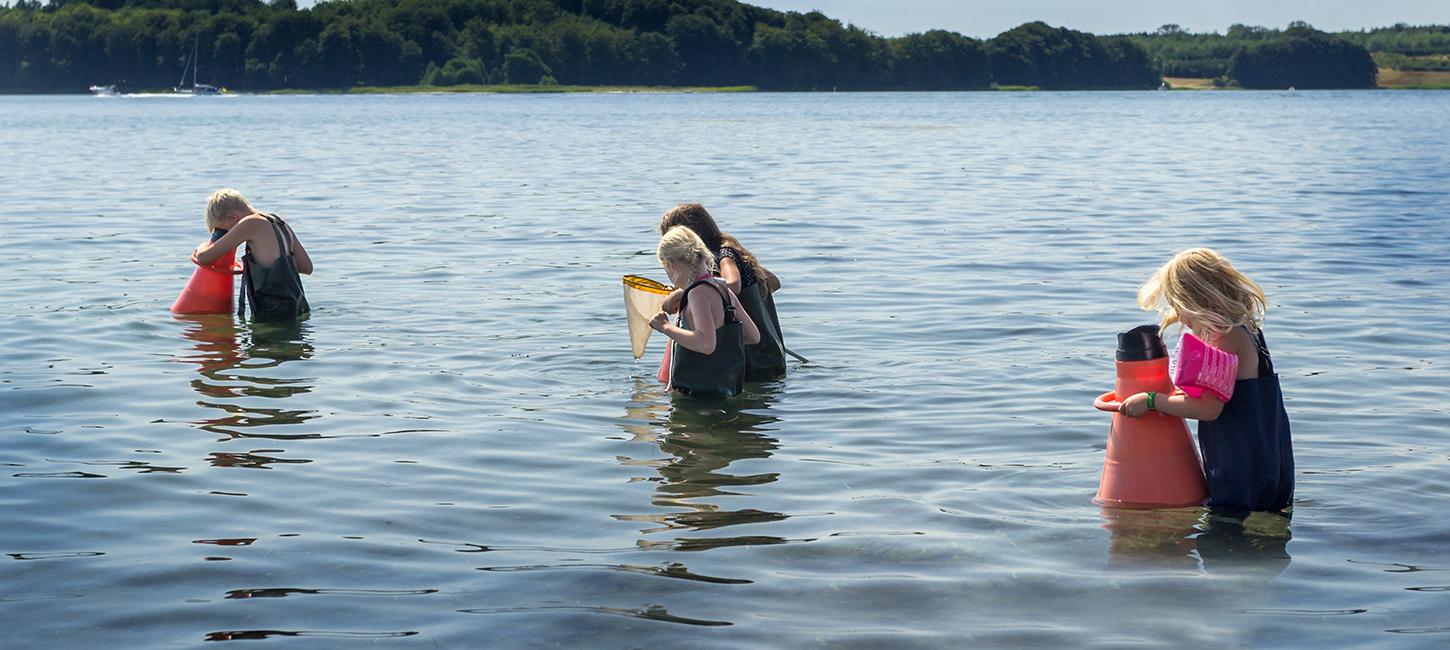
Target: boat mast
[182,84]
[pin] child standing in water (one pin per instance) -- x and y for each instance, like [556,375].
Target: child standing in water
[747,278]
[1247,455]
[708,356]
[272,263]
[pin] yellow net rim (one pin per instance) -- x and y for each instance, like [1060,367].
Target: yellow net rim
[646,284]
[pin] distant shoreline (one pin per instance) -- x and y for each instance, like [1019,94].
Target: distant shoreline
[1389,79]
[511,89]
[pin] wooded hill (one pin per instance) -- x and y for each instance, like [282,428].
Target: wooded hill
[1280,58]
[245,44]
[67,45]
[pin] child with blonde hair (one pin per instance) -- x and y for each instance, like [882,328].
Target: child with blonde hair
[708,354]
[1248,458]
[747,278]
[274,260]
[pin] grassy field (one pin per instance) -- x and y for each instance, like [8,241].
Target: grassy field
[1189,83]
[1409,79]
[1389,78]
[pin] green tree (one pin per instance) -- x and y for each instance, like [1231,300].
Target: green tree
[523,66]
[941,60]
[455,72]
[1035,54]
[1303,58]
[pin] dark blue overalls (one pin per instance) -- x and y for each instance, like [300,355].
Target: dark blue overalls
[1247,456]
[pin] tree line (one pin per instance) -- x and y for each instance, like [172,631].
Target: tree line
[66,45]
[1298,55]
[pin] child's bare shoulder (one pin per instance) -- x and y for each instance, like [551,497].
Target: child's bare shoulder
[1241,343]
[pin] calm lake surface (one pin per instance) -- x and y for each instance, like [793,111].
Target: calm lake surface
[457,449]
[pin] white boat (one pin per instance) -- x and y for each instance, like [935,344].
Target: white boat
[105,91]
[193,63]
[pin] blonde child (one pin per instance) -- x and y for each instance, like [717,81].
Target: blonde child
[272,263]
[1248,458]
[708,357]
[747,278]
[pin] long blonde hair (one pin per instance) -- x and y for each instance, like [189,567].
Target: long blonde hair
[681,247]
[223,203]
[1201,287]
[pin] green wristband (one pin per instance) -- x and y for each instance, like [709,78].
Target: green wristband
[1152,397]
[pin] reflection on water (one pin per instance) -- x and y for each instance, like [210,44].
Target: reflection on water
[1257,545]
[256,635]
[702,439]
[1152,538]
[237,361]
[946,275]
[1193,539]
[652,613]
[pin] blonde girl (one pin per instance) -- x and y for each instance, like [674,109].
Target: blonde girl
[273,263]
[747,278]
[708,357]
[1248,457]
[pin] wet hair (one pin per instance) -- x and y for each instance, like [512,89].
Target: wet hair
[1201,287]
[680,247]
[223,203]
[694,217]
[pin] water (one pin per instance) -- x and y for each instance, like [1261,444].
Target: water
[458,451]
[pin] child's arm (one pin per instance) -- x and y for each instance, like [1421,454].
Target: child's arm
[1204,409]
[210,251]
[299,254]
[730,273]
[702,338]
[1208,407]
[672,301]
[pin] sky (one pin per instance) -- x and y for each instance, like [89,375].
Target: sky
[987,18]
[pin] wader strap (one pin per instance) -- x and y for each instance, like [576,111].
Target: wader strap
[1266,364]
[283,248]
[246,286]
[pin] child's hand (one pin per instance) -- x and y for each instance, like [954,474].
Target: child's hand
[1135,406]
[658,322]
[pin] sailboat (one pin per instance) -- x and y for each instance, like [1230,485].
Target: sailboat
[193,63]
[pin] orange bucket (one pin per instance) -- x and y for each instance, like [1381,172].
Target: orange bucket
[210,289]
[1151,461]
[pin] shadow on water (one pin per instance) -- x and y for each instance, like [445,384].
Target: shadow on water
[1193,539]
[239,360]
[702,439]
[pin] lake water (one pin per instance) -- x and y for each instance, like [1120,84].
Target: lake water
[457,449]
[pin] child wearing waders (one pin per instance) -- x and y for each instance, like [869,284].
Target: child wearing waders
[274,261]
[708,354]
[1248,459]
[748,279]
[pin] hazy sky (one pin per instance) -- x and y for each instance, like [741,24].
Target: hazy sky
[984,18]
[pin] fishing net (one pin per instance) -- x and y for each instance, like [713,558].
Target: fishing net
[643,298]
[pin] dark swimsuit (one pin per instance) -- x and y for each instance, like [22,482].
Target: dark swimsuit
[720,374]
[274,291]
[1247,455]
[766,359]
